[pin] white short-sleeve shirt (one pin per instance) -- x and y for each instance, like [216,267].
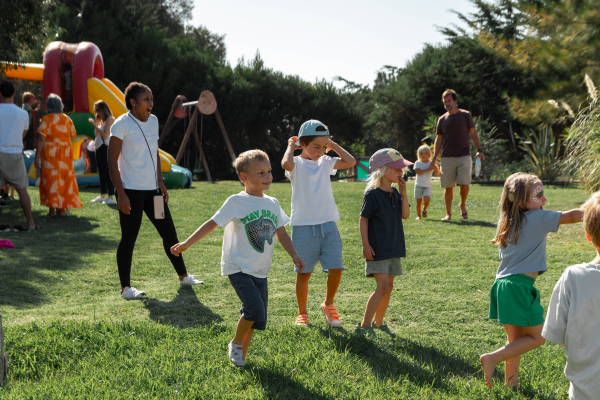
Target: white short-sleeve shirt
[423,180]
[312,198]
[250,224]
[13,121]
[137,164]
[573,320]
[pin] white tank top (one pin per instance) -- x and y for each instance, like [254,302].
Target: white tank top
[99,141]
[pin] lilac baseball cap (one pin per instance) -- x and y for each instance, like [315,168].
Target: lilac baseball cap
[389,157]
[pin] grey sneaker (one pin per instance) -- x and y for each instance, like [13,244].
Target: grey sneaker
[384,328]
[370,332]
[98,199]
[108,200]
[236,355]
[131,293]
[189,280]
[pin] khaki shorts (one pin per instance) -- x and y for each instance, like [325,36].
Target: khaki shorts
[12,170]
[391,266]
[456,171]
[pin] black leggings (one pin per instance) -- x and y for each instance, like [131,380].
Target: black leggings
[142,202]
[106,184]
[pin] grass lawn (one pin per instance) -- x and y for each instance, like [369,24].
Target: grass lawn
[69,334]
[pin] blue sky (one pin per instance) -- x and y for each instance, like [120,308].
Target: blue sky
[321,39]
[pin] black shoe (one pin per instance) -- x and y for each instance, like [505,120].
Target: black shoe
[4,228]
[4,204]
[21,228]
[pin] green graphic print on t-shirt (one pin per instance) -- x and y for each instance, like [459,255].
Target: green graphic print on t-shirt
[260,226]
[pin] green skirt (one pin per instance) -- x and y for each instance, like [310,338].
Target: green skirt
[514,301]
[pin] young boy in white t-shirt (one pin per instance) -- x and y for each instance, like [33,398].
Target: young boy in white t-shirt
[251,221]
[314,213]
[424,168]
[573,319]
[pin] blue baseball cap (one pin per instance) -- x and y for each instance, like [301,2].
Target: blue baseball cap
[312,127]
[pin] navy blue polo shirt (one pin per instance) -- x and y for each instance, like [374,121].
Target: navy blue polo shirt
[384,212]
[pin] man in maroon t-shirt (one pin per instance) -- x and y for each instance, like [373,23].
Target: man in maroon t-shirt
[452,141]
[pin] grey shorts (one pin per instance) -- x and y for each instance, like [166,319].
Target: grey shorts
[12,170]
[254,294]
[422,191]
[316,243]
[456,171]
[391,266]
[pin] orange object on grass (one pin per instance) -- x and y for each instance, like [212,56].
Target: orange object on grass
[58,185]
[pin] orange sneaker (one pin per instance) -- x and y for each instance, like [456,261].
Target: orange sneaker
[331,315]
[302,320]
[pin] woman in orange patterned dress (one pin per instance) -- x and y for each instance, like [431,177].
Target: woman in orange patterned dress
[58,186]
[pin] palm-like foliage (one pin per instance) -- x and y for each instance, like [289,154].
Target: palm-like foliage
[542,153]
[583,147]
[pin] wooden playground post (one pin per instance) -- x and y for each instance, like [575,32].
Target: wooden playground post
[186,137]
[3,358]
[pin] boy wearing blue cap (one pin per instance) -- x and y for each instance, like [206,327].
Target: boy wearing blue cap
[314,213]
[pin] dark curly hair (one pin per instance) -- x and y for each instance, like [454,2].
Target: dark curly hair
[133,91]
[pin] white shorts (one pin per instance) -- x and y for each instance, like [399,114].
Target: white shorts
[422,191]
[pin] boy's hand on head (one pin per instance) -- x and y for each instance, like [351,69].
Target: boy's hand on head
[293,140]
[179,248]
[368,252]
[298,262]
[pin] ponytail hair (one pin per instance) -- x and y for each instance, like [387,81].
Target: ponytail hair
[374,178]
[512,207]
[133,91]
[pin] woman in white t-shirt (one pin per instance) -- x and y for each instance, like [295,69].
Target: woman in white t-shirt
[102,123]
[134,165]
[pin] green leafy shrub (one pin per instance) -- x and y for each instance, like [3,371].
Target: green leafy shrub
[542,153]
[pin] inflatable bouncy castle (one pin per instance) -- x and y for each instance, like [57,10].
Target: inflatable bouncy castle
[88,85]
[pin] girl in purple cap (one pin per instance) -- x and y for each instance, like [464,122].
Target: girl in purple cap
[384,207]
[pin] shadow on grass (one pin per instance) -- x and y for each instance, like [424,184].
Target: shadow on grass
[279,385]
[467,222]
[184,311]
[385,364]
[61,244]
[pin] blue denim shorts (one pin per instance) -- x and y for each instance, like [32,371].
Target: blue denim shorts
[318,243]
[254,294]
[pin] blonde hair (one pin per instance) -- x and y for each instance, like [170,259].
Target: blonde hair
[243,161]
[374,178]
[422,150]
[512,207]
[591,218]
[102,106]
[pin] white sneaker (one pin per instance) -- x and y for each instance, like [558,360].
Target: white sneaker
[236,355]
[131,293]
[108,200]
[98,199]
[189,280]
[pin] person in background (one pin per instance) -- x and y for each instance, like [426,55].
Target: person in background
[58,185]
[31,105]
[13,128]
[68,75]
[102,123]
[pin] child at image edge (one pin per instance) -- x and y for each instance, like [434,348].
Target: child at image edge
[251,220]
[573,319]
[521,240]
[382,233]
[424,168]
[314,214]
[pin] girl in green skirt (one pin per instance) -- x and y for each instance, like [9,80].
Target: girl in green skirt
[521,240]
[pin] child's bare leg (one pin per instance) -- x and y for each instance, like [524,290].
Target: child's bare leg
[375,299]
[383,304]
[426,200]
[532,338]
[333,281]
[246,343]
[511,366]
[242,329]
[302,291]
[419,202]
